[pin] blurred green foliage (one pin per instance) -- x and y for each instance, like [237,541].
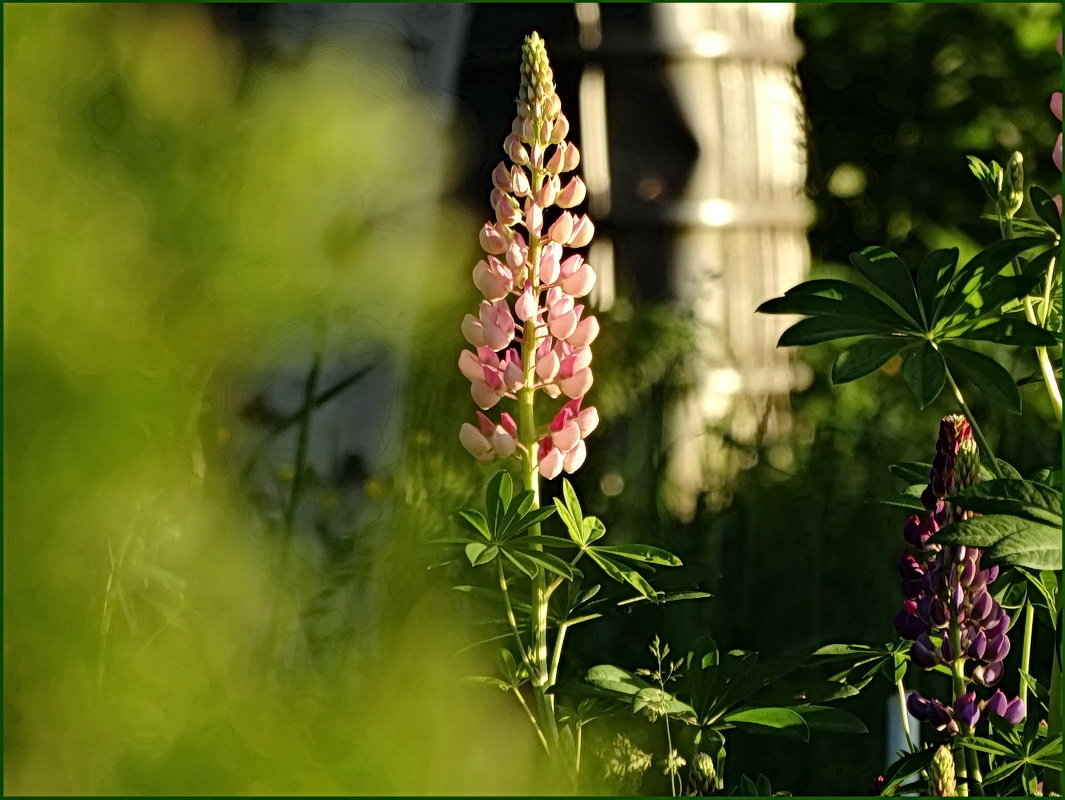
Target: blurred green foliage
[177,219]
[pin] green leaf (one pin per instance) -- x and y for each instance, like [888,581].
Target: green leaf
[846,650]
[933,278]
[572,503]
[592,529]
[833,297]
[642,552]
[865,356]
[985,374]
[1038,547]
[546,541]
[784,720]
[1046,208]
[1020,498]
[913,472]
[983,532]
[815,330]
[886,271]
[527,567]
[906,766]
[572,527]
[924,373]
[551,563]
[479,553]
[984,745]
[1000,772]
[1005,330]
[530,520]
[497,497]
[623,574]
[825,718]
[615,679]
[980,270]
[473,521]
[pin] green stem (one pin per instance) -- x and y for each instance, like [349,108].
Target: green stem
[1046,368]
[556,656]
[989,455]
[512,619]
[532,719]
[1026,651]
[580,737]
[904,713]
[1052,781]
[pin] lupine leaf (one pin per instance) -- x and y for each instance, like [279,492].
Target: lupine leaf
[913,472]
[474,521]
[924,373]
[1046,208]
[985,374]
[1012,496]
[532,519]
[592,529]
[551,563]
[824,718]
[1000,772]
[865,356]
[567,520]
[642,552]
[885,270]
[1037,547]
[984,745]
[983,532]
[981,269]
[615,679]
[906,766]
[497,497]
[815,330]
[990,298]
[529,568]
[479,553]
[1005,330]
[826,296]
[933,278]
[758,720]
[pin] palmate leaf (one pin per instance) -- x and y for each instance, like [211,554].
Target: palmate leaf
[990,299]
[886,272]
[866,356]
[814,330]
[933,277]
[770,720]
[985,374]
[642,553]
[1046,208]
[980,270]
[827,297]
[924,373]
[1004,330]
[913,472]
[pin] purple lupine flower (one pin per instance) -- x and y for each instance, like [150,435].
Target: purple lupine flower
[947,592]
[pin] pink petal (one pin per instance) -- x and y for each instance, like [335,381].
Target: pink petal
[519,181]
[545,198]
[483,395]
[534,217]
[473,330]
[583,230]
[508,423]
[470,365]
[585,333]
[492,241]
[549,262]
[577,385]
[561,229]
[1056,155]
[501,177]
[567,438]
[503,442]
[575,458]
[1055,104]
[573,194]
[475,443]
[563,327]
[485,424]
[588,421]
[572,158]
[580,283]
[551,465]
[547,366]
[525,307]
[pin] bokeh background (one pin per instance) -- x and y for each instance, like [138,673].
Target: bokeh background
[216,212]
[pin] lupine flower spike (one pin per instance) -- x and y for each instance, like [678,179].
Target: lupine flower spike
[530,333]
[1055,108]
[946,591]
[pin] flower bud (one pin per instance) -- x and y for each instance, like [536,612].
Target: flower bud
[998,647]
[503,442]
[516,152]
[941,777]
[575,458]
[923,653]
[978,646]
[967,709]
[1014,712]
[501,177]
[907,623]
[583,230]
[519,181]
[1011,195]
[573,194]
[525,307]
[492,241]
[561,127]
[988,674]
[585,332]
[561,229]
[534,217]
[551,464]
[550,265]
[996,704]
[475,442]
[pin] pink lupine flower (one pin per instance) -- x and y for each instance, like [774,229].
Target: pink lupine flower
[530,284]
[489,440]
[562,448]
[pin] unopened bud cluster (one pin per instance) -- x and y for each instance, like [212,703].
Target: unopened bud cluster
[947,592]
[530,333]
